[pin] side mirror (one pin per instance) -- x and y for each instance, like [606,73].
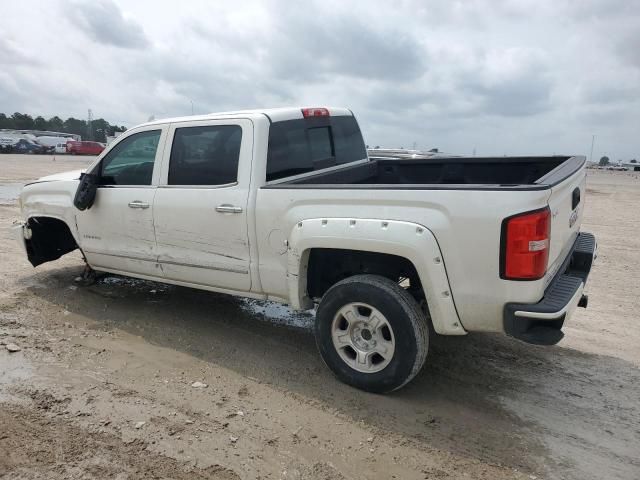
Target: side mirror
[86,193]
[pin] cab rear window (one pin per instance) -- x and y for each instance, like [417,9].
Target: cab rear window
[308,144]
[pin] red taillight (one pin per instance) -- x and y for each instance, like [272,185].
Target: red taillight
[525,245]
[315,112]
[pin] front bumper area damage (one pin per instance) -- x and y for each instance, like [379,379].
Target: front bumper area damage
[44,239]
[21,232]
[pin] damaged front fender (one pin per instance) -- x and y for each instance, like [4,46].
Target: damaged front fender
[19,233]
[45,239]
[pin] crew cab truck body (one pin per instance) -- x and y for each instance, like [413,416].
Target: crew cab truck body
[284,205]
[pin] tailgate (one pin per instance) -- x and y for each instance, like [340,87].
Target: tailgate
[567,205]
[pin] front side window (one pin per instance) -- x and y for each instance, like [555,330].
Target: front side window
[205,155]
[131,160]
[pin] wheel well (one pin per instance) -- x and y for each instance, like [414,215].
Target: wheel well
[50,239]
[327,266]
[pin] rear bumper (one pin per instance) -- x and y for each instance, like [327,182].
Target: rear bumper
[541,323]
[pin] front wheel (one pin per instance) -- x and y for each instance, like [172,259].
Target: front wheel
[371,333]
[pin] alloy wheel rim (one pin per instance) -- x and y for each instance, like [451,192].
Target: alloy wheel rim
[363,337]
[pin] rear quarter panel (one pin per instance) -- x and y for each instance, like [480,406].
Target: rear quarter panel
[465,223]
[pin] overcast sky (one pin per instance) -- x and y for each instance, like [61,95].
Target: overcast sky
[497,76]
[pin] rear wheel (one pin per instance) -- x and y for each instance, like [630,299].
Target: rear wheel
[371,333]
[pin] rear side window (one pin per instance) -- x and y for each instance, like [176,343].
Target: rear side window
[308,144]
[205,155]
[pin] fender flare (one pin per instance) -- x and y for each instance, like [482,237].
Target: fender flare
[409,240]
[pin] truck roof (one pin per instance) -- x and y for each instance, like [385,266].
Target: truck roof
[274,114]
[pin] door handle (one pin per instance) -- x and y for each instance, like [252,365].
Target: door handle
[226,208]
[138,204]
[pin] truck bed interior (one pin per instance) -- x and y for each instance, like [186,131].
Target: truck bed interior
[502,171]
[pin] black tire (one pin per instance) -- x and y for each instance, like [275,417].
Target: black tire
[402,312]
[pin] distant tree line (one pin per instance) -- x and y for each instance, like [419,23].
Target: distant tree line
[100,128]
[604,161]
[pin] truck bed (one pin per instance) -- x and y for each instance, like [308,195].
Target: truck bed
[470,172]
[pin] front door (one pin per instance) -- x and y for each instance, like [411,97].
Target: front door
[200,208]
[117,232]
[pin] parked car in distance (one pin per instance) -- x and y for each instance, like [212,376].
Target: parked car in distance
[285,205]
[29,146]
[84,148]
[58,143]
[6,145]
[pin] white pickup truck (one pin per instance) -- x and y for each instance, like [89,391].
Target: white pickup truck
[285,205]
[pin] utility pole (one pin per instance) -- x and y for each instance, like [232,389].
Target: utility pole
[593,140]
[191,106]
[89,121]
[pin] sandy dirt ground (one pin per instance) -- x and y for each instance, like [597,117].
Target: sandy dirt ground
[102,386]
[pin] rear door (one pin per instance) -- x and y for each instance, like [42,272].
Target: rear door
[567,205]
[200,209]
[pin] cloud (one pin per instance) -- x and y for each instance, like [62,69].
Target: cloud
[12,55]
[510,82]
[314,48]
[103,22]
[498,76]
[628,46]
